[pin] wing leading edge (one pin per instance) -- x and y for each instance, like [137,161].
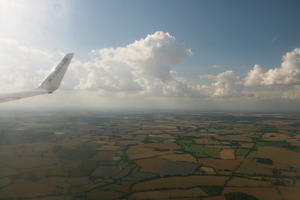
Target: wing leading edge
[49,85]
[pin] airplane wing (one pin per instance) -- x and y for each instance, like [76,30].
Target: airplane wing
[48,86]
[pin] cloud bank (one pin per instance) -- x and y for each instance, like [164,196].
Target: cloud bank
[144,68]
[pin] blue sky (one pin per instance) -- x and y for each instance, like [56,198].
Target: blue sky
[228,29]
[238,34]
[222,35]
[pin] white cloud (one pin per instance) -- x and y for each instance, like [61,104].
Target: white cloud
[22,67]
[254,77]
[287,74]
[143,70]
[280,82]
[227,84]
[145,66]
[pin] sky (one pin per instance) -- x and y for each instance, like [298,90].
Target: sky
[188,55]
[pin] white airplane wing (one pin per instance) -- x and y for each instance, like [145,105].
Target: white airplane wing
[49,85]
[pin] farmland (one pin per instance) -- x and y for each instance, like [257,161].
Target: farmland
[126,155]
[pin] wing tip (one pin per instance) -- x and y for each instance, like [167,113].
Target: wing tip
[70,55]
[52,82]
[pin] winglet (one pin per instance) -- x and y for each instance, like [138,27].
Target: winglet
[52,82]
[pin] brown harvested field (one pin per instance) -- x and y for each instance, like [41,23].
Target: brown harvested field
[207,170]
[57,198]
[243,138]
[78,181]
[262,193]
[275,136]
[290,193]
[290,174]
[120,187]
[162,145]
[103,142]
[70,165]
[247,145]
[129,142]
[205,141]
[219,164]
[180,182]
[128,136]
[170,194]
[151,165]
[179,157]
[227,154]
[108,148]
[85,188]
[153,127]
[27,189]
[167,136]
[252,167]
[95,194]
[43,171]
[294,141]
[245,182]
[282,157]
[225,143]
[225,173]
[297,136]
[138,152]
[140,138]
[215,198]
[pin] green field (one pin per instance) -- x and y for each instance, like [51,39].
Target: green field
[202,151]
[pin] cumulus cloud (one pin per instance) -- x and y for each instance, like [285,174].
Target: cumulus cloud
[227,84]
[144,68]
[280,82]
[254,77]
[287,74]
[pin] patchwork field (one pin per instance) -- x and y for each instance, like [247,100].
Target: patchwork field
[246,182]
[211,156]
[227,154]
[258,192]
[179,157]
[170,194]
[151,164]
[180,182]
